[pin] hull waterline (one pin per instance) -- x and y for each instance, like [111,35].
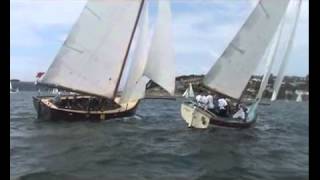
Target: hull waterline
[46,112]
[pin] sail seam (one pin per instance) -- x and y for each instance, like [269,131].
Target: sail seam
[264,9]
[72,48]
[237,48]
[93,13]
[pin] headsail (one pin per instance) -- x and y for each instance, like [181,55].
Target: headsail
[270,58]
[136,84]
[160,66]
[92,57]
[232,71]
[284,63]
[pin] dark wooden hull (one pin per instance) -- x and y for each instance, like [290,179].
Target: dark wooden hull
[264,104]
[232,123]
[45,112]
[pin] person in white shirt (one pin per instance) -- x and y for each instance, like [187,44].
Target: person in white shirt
[210,103]
[241,113]
[204,102]
[198,99]
[222,104]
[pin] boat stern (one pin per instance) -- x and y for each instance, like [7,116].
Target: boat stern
[194,117]
[36,102]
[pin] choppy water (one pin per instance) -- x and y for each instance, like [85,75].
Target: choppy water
[158,145]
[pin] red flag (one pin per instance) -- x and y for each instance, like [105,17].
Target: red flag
[39,74]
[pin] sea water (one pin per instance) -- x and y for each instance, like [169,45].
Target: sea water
[156,144]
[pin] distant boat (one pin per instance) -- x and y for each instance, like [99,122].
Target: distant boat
[54,91]
[13,90]
[300,94]
[189,92]
[93,58]
[232,71]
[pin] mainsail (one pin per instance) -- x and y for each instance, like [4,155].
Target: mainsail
[189,92]
[284,63]
[160,66]
[270,59]
[232,71]
[92,58]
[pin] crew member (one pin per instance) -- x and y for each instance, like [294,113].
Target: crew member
[222,104]
[240,114]
[210,103]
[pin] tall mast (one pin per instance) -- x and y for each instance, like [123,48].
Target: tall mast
[128,49]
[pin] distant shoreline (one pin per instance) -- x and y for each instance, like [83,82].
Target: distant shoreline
[287,91]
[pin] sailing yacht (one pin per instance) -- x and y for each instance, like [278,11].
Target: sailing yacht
[54,91]
[300,94]
[13,90]
[189,92]
[230,74]
[96,52]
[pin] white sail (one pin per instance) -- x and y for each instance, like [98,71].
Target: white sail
[92,57]
[136,84]
[299,96]
[160,66]
[189,92]
[284,63]
[55,91]
[270,58]
[185,94]
[232,71]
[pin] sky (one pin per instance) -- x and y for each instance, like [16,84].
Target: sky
[202,30]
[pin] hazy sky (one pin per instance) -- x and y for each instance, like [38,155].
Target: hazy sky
[202,30]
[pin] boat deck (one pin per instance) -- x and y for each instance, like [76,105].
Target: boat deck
[121,108]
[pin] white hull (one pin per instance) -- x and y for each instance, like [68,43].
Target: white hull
[194,118]
[198,118]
